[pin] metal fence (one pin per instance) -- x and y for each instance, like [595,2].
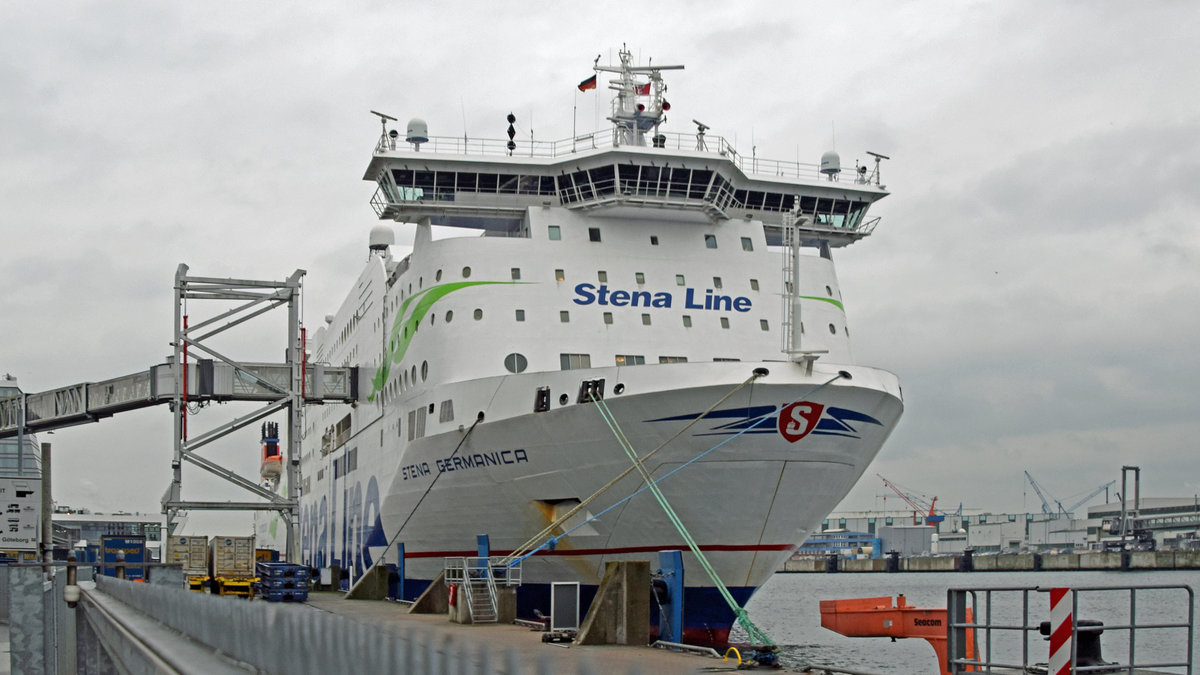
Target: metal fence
[122,626]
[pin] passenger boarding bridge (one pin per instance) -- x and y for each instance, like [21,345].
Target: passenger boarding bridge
[208,380]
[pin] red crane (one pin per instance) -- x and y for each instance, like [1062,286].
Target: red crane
[931,517]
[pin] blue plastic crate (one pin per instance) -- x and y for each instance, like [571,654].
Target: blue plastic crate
[283,583]
[282,595]
[275,570]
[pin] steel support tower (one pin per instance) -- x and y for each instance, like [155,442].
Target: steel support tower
[252,299]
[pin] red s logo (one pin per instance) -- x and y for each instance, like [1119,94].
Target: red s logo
[798,419]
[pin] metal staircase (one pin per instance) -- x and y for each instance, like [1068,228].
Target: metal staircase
[477,580]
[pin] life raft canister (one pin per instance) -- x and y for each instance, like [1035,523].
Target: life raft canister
[453,595]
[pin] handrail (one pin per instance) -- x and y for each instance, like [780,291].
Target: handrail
[598,140]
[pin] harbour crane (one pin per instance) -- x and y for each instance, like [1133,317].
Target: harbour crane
[1041,493]
[917,503]
[1061,510]
[1088,498]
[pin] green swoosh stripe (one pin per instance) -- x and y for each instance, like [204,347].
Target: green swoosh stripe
[831,301]
[404,327]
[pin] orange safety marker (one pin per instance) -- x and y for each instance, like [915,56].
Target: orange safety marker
[877,617]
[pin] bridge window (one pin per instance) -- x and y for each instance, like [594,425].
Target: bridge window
[672,359]
[631,360]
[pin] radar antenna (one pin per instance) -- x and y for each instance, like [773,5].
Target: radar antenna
[386,140]
[875,174]
[701,127]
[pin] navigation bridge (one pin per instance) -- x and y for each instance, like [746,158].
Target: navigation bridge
[207,380]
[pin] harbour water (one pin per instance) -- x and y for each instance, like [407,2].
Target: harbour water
[787,608]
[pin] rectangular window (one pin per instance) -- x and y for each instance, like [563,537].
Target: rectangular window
[679,280]
[564,316]
[687,321]
[520,315]
[716,282]
[631,360]
[654,240]
[672,359]
[754,284]
[762,323]
[717,359]
[710,241]
[602,276]
[446,411]
[575,361]
[640,277]
[747,245]
[608,318]
[555,233]
[645,319]
[560,275]
[593,234]
[516,273]
[725,322]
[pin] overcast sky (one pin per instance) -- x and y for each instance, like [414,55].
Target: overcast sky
[1034,282]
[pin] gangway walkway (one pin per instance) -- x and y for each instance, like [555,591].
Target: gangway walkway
[208,380]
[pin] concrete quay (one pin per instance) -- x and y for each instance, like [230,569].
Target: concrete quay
[531,653]
[1009,562]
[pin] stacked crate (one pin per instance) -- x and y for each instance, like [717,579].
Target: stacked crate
[282,582]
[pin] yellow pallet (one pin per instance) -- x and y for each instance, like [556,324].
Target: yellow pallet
[197,584]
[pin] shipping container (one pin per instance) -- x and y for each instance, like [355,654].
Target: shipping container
[134,549]
[190,552]
[231,557]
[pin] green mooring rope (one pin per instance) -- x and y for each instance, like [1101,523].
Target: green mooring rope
[757,636]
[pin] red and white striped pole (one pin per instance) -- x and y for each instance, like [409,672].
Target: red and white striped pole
[1061,630]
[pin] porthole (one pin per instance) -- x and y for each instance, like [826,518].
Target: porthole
[832,329]
[414,374]
[466,272]
[829,291]
[562,400]
[420,282]
[620,388]
[424,370]
[478,314]
[438,276]
[449,315]
[515,363]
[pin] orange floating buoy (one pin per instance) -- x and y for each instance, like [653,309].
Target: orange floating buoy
[878,617]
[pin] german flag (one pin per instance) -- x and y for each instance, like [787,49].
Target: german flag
[589,83]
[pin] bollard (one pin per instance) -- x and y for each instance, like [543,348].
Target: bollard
[71,589]
[120,564]
[831,562]
[893,561]
[966,562]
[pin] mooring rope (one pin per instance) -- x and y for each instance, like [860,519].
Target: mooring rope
[545,536]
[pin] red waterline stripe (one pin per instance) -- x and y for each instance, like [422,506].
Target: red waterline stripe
[604,551]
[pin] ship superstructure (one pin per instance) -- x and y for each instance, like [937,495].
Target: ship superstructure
[664,275]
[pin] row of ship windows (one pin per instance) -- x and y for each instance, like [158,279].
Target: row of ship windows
[555,233]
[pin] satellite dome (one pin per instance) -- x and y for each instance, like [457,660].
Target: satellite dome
[418,131]
[382,236]
[831,163]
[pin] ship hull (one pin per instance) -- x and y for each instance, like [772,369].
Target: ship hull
[752,477]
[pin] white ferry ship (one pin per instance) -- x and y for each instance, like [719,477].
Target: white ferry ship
[655,275]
